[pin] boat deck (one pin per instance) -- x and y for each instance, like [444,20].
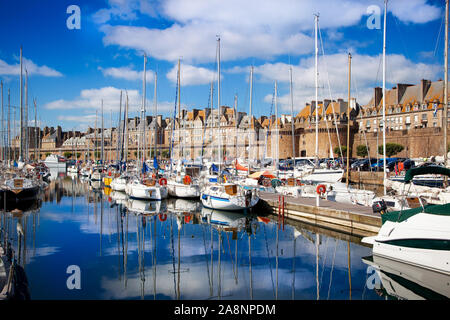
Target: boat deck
[349,218]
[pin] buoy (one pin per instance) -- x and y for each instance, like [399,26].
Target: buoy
[162,181]
[321,189]
[187,218]
[162,217]
[187,179]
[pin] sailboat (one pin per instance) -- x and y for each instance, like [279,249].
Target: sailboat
[141,187]
[182,185]
[223,195]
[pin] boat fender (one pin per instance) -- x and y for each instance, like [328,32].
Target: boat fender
[162,217]
[187,218]
[162,181]
[266,183]
[321,188]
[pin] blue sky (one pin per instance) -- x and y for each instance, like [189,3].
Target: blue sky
[70,71]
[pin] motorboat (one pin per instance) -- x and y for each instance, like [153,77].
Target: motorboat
[183,186]
[418,236]
[142,207]
[96,173]
[119,182]
[403,281]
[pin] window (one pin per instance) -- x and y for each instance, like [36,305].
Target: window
[408,108]
[416,118]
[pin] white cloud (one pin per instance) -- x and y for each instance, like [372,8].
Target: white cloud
[30,66]
[366,74]
[191,75]
[252,28]
[127,73]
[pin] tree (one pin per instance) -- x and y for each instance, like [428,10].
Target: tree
[67,154]
[47,154]
[337,151]
[78,155]
[391,149]
[165,154]
[362,151]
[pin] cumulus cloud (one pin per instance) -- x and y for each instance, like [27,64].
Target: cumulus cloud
[333,69]
[31,67]
[127,73]
[191,75]
[253,28]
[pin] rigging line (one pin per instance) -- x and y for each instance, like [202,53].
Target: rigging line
[363,129]
[324,260]
[332,267]
[331,96]
[206,259]
[402,40]
[438,38]
[268,260]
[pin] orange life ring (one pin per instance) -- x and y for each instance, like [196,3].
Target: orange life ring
[321,189]
[187,179]
[162,217]
[187,218]
[154,176]
[162,181]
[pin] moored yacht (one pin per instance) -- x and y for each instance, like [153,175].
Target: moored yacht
[228,196]
[147,189]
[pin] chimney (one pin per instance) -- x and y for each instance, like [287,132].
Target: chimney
[423,89]
[401,88]
[378,95]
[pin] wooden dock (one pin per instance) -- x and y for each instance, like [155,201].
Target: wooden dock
[352,219]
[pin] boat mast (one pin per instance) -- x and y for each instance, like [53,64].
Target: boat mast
[103,145]
[126,128]
[26,116]
[250,119]
[348,117]
[35,130]
[155,138]
[316,75]
[179,113]
[2,127]
[8,133]
[21,108]
[276,129]
[446,91]
[235,128]
[218,104]
[384,98]
[292,115]
[119,152]
[95,137]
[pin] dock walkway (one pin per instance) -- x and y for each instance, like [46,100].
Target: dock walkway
[353,219]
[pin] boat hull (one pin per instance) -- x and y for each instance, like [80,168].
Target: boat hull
[143,192]
[180,190]
[23,195]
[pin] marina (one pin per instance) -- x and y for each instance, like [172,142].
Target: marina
[239,176]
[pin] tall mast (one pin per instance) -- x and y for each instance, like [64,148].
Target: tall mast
[155,140]
[21,108]
[26,115]
[446,89]
[119,153]
[35,131]
[235,127]
[250,119]
[316,75]
[348,116]
[292,115]
[218,104]
[8,133]
[179,113]
[103,141]
[95,138]
[143,120]
[126,128]
[384,98]
[277,152]
[211,131]
[2,127]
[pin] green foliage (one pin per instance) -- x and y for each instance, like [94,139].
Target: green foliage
[47,154]
[67,154]
[337,151]
[165,154]
[391,149]
[362,151]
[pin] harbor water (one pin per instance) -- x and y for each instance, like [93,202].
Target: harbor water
[81,241]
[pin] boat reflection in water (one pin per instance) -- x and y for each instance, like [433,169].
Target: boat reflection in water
[397,280]
[176,249]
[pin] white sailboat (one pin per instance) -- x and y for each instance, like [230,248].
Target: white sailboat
[141,187]
[182,185]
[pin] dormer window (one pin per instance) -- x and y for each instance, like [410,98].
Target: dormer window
[424,106]
[408,108]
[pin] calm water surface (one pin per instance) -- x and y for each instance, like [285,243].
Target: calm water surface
[177,250]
